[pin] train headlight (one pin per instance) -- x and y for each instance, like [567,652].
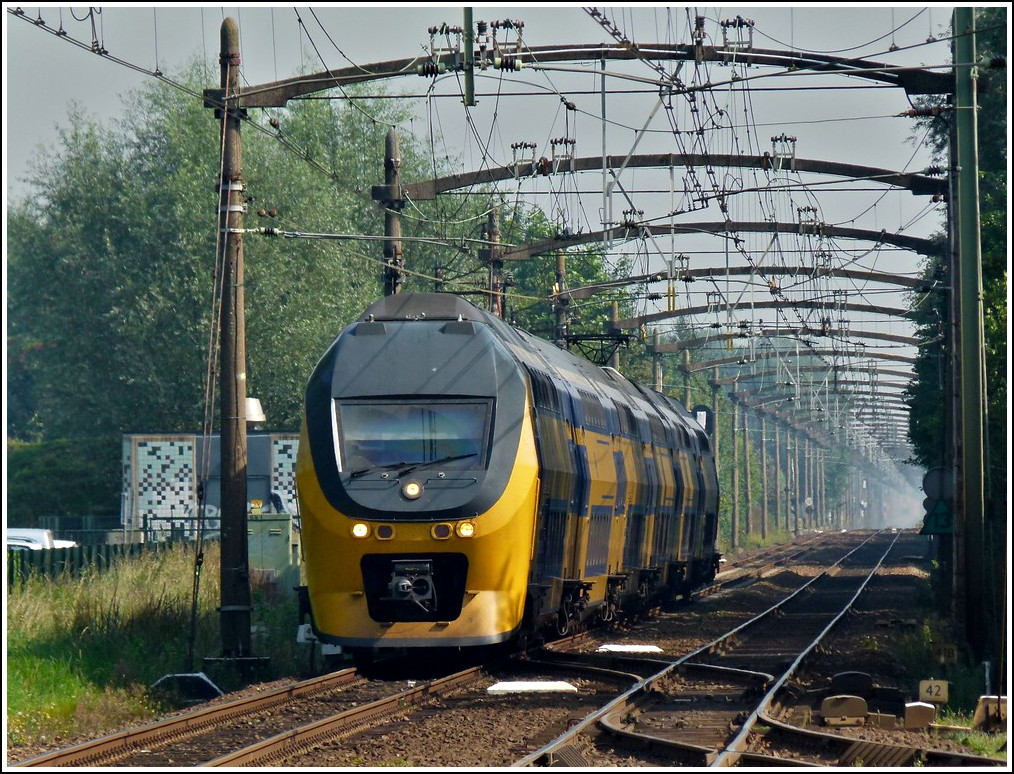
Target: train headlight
[360,530]
[411,490]
[465,529]
[385,532]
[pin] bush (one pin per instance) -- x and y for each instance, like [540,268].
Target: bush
[61,478]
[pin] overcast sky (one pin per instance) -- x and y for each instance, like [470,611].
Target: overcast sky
[850,122]
[44,73]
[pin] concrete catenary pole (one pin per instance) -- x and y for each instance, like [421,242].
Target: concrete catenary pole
[764,475]
[734,540]
[716,387]
[969,535]
[748,479]
[778,475]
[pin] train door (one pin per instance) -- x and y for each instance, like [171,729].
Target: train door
[557,487]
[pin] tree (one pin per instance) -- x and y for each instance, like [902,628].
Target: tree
[925,396]
[111,262]
[926,400]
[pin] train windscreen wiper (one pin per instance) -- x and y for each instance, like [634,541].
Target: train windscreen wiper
[408,467]
[412,466]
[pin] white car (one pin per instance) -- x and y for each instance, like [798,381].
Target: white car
[33,539]
[20,544]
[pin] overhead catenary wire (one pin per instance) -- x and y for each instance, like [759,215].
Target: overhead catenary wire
[724,188]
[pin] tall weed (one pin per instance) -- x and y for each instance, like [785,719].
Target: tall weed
[82,652]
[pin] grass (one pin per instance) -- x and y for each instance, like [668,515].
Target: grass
[993,745]
[82,652]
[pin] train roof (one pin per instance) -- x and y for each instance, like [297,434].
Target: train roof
[530,349]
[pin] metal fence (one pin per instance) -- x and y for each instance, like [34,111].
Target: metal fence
[55,563]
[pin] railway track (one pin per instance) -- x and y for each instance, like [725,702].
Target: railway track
[727,702]
[717,706]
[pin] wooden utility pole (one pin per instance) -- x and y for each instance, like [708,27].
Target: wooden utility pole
[492,256]
[235,573]
[614,358]
[393,257]
[656,361]
[686,378]
[560,301]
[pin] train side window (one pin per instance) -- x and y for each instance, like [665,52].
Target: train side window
[626,419]
[612,416]
[594,416]
[544,392]
[657,431]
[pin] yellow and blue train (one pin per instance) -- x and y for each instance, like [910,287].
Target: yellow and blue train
[463,483]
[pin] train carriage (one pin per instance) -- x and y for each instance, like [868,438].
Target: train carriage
[463,483]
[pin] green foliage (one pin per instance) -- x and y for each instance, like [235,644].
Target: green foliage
[66,477]
[82,653]
[925,396]
[111,263]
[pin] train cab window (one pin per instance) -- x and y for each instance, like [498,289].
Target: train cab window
[389,433]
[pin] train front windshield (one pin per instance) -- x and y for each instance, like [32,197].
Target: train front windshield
[388,433]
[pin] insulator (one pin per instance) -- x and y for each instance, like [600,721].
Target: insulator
[481,27]
[430,69]
[924,112]
[739,21]
[510,63]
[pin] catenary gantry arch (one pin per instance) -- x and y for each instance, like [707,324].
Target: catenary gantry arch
[787,306]
[843,368]
[712,272]
[914,80]
[427,190]
[641,230]
[801,333]
[704,365]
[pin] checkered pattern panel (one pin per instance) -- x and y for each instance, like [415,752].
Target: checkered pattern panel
[164,479]
[283,467]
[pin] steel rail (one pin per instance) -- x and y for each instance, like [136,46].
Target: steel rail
[645,684]
[189,724]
